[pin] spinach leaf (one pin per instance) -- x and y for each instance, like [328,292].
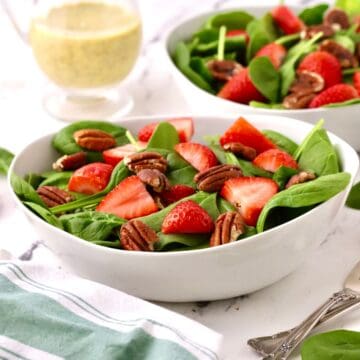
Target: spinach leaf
[5,160]
[64,142]
[305,194]
[24,190]
[258,40]
[233,20]
[288,40]
[313,15]
[234,43]
[350,71]
[91,225]
[168,242]
[319,155]
[199,66]
[247,167]
[34,179]
[281,141]
[184,176]
[155,220]
[259,104]
[353,200]
[165,137]
[210,206]
[59,179]
[335,345]
[350,6]
[346,42]
[249,231]
[224,206]
[175,161]
[108,243]
[219,152]
[44,213]
[265,77]
[206,36]
[344,103]
[287,70]
[182,61]
[282,175]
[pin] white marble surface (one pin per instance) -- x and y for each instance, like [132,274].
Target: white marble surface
[22,119]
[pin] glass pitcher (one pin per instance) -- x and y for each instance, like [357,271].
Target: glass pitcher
[86,48]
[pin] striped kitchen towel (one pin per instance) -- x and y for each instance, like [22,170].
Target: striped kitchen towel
[46,314]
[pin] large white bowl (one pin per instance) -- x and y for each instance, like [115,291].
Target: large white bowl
[207,274]
[343,121]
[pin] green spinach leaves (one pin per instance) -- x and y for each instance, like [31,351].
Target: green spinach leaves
[5,160]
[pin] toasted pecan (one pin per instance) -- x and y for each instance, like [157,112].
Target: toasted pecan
[94,139]
[53,196]
[136,235]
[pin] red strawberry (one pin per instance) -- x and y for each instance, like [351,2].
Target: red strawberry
[198,155]
[187,218]
[287,20]
[356,80]
[176,193]
[115,155]
[324,64]
[249,195]
[237,32]
[184,127]
[240,89]
[128,200]
[335,94]
[242,131]
[271,160]
[275,52]
[91,178]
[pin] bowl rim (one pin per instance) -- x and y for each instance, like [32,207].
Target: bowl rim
[288,112]
[342,144]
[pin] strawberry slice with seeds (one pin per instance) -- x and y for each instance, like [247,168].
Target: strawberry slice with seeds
[184,127]
[91,178]
[271,160]
[128,200]
[187,218]
[199,156]
[334,94]
[175,193]
[242,131]
[249,195]
[240,89]
[115,155]
[287,20]
[275,52]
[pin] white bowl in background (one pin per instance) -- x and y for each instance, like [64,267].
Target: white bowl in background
[208,274]
[343,121]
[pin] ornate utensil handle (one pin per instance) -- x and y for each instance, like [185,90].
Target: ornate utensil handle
[265,345]
[296,335]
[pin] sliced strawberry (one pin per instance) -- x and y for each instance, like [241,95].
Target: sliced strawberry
[115,155]
[271,160]
[275,52]
[237,32]
[249,195]
[187,218]
[91,178]
[198,155]
[356,80]
[287,20]
[240,89]
[184,127]
[334,94]
[128,200]
[175,193]
[242,131]
[324,64]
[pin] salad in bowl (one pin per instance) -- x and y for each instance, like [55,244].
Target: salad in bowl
[156,192]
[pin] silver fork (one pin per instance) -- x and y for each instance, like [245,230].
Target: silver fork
[281,345]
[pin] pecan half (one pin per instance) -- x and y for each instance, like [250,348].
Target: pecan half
[70,162]
[246,152]
[337,17]
[310,31]
[298,101]
[307,82]
[224,70]
[228,227]
[212,179]
[146,160]
[155,179]
[94,139]
[53,196]
[299,178]
[345,57]
[136,235]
